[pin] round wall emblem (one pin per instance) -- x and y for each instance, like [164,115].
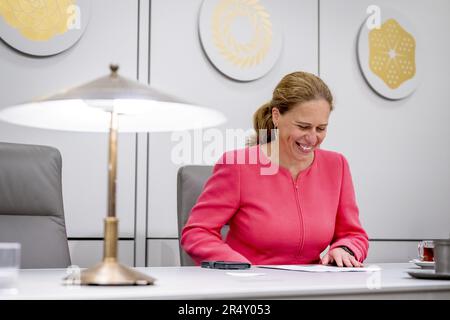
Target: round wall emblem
[43,27]
[241,38]
[387,55]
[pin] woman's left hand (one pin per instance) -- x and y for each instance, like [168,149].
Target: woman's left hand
[341,258]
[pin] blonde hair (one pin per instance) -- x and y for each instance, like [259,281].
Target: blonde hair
[293,89]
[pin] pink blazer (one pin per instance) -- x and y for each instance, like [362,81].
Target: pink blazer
[274,219]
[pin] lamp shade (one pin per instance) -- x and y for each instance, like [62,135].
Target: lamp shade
[87,108]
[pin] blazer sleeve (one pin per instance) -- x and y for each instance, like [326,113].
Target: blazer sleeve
[348,230]
[218,202]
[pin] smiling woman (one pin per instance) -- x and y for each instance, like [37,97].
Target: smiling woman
[292,214]
[299,110]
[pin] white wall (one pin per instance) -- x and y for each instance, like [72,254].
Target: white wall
[84,155]
[398,151]
[86,253]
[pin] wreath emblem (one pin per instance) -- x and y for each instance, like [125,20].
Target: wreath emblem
[252,52]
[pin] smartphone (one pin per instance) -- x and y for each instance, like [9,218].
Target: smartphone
[225,265]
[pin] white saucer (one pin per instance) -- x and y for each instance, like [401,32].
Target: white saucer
[423,264]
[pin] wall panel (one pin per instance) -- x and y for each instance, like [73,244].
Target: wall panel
[392,251]
[163,253]
[398,150]
[111,36]
[86,253]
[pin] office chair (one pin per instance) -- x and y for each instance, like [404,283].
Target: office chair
[31,204]
[190,182]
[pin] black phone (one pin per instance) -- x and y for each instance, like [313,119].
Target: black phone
[234,265]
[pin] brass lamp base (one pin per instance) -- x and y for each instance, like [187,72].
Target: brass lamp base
[112,273]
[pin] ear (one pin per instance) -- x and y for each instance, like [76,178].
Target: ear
[275,116]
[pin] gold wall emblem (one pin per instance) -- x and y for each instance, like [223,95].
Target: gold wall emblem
[37,20]
[242,54]
[392,54]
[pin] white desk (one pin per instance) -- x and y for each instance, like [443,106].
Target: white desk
[196,283]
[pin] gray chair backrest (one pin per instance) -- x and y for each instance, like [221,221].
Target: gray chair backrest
[31,204]
[190,182]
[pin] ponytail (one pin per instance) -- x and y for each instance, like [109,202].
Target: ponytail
[262,123]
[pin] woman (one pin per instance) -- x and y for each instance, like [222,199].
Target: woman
[293,215]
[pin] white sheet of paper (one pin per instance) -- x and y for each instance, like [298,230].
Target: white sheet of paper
[322,268]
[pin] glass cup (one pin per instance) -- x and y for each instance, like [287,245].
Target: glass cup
[426,250]
[9,265]
[442,256]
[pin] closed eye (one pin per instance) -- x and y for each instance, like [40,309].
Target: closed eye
[319,129]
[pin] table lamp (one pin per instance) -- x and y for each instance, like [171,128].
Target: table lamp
[97,106]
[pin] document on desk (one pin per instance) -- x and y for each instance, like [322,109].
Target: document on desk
[321,268]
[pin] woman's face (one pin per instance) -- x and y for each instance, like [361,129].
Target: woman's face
[302,129]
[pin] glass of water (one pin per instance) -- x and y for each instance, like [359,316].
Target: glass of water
[9,266]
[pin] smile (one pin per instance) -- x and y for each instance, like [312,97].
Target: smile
[304,148]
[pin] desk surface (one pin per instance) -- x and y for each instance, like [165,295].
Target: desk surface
[197,283]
